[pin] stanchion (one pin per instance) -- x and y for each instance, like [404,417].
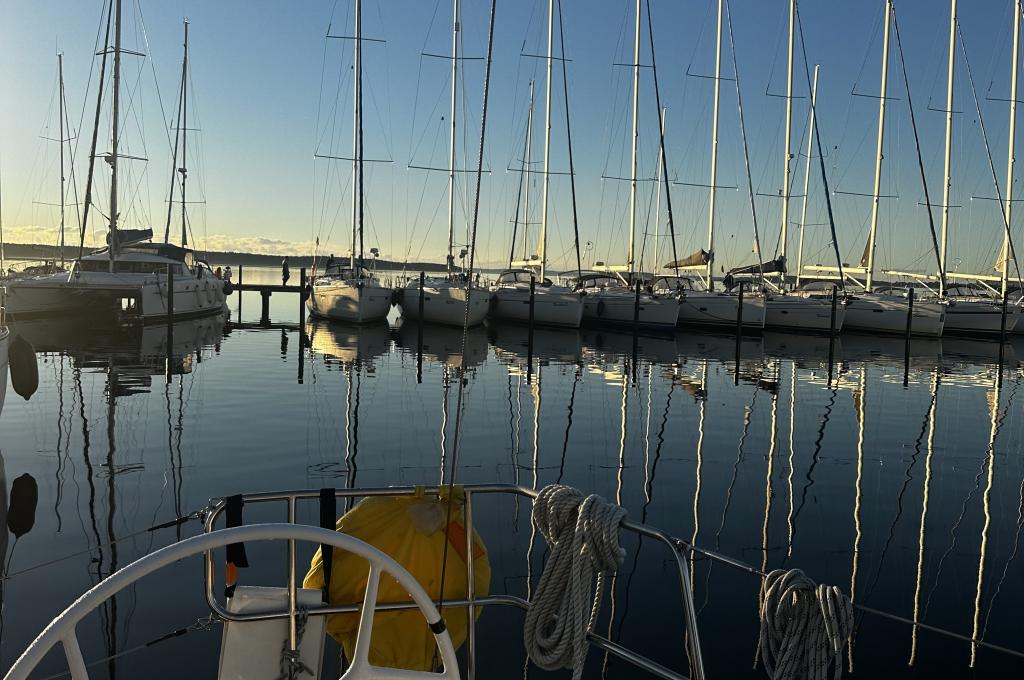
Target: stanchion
[419,331]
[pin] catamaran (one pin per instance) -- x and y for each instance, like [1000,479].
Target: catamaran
[613,292]
[132,274]
[873,310]
[352,293]
[452,299]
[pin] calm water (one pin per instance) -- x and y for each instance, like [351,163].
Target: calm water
[910,497]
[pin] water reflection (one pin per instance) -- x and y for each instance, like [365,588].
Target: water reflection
[899,494]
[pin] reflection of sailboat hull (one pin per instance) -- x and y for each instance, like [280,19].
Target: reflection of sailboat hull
[444,302]
[805,314]
[890,349]
[612,346]
[877,313]
[806,350]
[619,308]
[512,343]
[561,308]
[721,309]
[347,342]
[443,344]
[717,347]
[979,317]
[352,302]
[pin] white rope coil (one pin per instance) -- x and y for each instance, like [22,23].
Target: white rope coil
[583,534]
[804,627]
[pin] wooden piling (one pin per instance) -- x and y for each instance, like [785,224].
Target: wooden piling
[419,330]
[906,336]
[739,333]
[239,319]
[832,333]
[265,307]
[302,303]
[170,321]
[529,332]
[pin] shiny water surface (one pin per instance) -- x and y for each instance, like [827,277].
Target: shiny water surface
[904,489]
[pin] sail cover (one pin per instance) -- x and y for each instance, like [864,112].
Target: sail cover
[701,257]
[769,267]
[128,236]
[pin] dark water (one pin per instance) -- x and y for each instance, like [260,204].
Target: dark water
[910,497]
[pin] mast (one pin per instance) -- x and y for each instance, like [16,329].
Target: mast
[657,194]
[60,77]
[807,177]
[714,155]
[184,132]
[115,131]
[451,140]
[1005,265]
[527,163]
[357,126]
[636,107]
[944,238]
[784,232]
[870,252]
[547,147]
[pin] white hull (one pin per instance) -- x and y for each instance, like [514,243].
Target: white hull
[721,309]
[561,308]
[798,313]
[874,313]
[979,317]
[618,308]
[444,303]
[104,292]
[349,301]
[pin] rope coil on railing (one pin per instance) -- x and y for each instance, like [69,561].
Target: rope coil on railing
[583,534]
[803,627]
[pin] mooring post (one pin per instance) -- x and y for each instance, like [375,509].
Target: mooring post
[265,307]
[529,332]
[239,294]
[419,331]
[302,303]
[1002,341]
[832,332]
[636,327]
[170,319]
[739,334]
[906,336]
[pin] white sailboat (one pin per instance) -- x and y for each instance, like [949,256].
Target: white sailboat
[701,304]
[352,293]
[612,296]
[451,300]
[552,305]
[873,310]
[783,309]
[130,275]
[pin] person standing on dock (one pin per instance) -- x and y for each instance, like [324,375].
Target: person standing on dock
[285,272]
[227,273]
[330,263]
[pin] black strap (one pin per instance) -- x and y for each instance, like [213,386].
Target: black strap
[233,513]
[328,513]
[437,627]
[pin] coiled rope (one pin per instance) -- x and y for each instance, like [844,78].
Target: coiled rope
[803,627]
[583,535]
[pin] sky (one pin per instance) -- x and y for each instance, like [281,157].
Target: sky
[269,91]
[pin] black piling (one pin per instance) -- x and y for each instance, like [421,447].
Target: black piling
[739,333]
[1002,341]
[170,321]
[239,319]
[832,332]
[419,331]
[265,307]
[302,303]
[636,327]
[529,334]
[906,336]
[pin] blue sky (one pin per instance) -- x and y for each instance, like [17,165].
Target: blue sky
[269,91]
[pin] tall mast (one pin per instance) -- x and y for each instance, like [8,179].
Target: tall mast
[184,132]
[807,177]
[784,232]
[944,238]
[636,108]
[60,76]
[1012,137]
[547,147]
[357,124]
[451,140]
[657,194]
[709,273]
[528,165]
[876,190]
[115,131]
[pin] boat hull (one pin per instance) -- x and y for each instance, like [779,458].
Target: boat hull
[445,303]
[804,314]
[979,317]
[618,309]
[562,309]
[721,310]
[872,313]
[348,301]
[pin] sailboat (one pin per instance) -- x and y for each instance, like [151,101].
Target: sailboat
[702,304]
[612,292]
[873,310]
[451,300]
[551,305]
[129,276]
[352,293]
[800,312]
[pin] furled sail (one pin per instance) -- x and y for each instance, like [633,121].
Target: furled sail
[128,236]
[697,259]
[778,265]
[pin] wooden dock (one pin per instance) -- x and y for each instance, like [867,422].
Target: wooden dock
[267,289]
